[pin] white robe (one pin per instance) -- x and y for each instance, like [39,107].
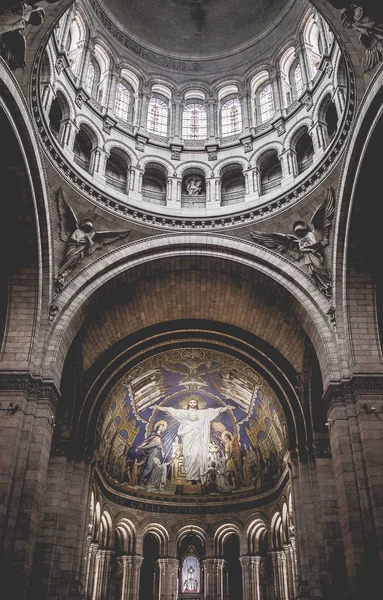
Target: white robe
[195,436]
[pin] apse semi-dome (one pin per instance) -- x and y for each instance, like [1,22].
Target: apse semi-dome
[166,133]
[191,424]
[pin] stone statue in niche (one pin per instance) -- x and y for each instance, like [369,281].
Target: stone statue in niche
[80,236]
[13,20]
[308,243]
[194,185]
[366,18]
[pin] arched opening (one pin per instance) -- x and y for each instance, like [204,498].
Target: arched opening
[154,184]
[331,118]
[149,576]
[231,553]
[116,171]
[191,552]
[193,194]
[82,148]
[304,150]
[233,186]
[270,172]
[55,117]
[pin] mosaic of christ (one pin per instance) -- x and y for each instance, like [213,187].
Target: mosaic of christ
[192,421]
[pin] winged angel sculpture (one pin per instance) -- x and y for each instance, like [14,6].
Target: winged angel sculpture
[80,237]
[14,18]
[365,17]
[308,242]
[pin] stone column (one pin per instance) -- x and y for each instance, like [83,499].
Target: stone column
[176,128]
[305,66]
[356,438]
[300,58]
[135,580]
[209,579]
[91,569]
[248,587]
[145,99]
[25,442]
[274,80]
[97,580]
[88,54]
[211,107]
[106,574]
[114,79]
[68,23]
[168,568]
[245,109]
[323,35]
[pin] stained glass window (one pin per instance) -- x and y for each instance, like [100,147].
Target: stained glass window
[194,124]
[158,116]
[121,106]
[266,103]
[90,78]
[231,117]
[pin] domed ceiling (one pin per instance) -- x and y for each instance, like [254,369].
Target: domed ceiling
[198,29]
[191,422]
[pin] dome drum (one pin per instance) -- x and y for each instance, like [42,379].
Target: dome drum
[177,127]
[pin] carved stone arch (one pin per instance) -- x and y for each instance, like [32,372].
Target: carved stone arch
[312,304]
[295,131]
[257,529]
[153,158]
[356,237]
[235,159]
[198,164]
[276,528]
[93,130]
[224,529]
[275,144]
[59,87]
[127,151]
[318,108]
[190,86]
[160,531]
[28,194]
[128,532]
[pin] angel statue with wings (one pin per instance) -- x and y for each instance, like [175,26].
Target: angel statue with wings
[308,242]
[80,236]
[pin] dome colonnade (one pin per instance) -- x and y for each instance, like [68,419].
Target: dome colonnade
[151,144]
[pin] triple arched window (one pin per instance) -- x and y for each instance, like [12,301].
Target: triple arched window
[158,114]
[121,105]
[194,122]
[231,117]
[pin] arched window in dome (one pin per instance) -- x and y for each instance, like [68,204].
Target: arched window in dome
[266,103]
[298,81]
[89,80]
[121,105]
[313,46]
[231,117]
[75,44]
[158,112]
[194,122]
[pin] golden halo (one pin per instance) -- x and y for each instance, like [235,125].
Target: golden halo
[185,401]
[161,422]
